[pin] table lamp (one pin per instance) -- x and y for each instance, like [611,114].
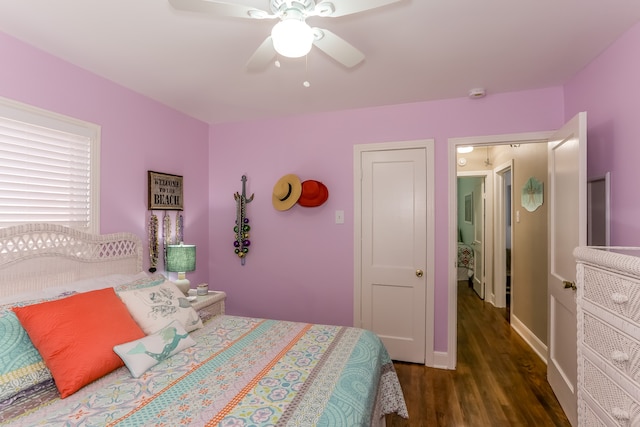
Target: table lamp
[181,258]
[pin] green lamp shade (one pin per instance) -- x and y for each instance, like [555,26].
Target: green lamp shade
[181,258]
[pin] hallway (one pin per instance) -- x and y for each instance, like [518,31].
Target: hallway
[499,381]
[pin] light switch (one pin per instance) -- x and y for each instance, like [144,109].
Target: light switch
[339,217]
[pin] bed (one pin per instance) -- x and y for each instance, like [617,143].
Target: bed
[168,367]
[465,261]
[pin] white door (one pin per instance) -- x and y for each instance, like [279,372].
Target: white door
[567,229]
[479,221]
[393,249]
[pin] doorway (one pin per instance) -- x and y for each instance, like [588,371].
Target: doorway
[475,230]
[507,225]
[504,236]
[495,156]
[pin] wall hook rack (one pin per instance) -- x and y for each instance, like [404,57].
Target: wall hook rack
[242,226]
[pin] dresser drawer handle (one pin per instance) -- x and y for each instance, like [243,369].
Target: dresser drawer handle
[620,414]
[619,356]
[619,298]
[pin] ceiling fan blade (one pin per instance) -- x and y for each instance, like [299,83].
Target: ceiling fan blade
[337,48]
[347,7]
[218,8]
[262,57]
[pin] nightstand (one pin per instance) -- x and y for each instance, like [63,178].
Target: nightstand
[211,304]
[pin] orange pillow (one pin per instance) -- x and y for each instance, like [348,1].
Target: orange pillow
[75,336]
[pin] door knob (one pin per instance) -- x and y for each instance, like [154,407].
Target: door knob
[419,273]
[567,284]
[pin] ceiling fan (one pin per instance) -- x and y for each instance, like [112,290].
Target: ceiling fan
[292,36]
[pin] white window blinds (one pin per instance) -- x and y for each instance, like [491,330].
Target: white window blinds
[48,168]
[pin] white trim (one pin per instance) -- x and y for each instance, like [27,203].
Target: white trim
[441,360]
[607,209]
[607,184]
[529,337]
[499,297]
[521,138]
[428,145]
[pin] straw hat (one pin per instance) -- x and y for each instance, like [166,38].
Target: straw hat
[286,192]
[314,193]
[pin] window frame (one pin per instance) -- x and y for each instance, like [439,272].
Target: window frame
[44,118]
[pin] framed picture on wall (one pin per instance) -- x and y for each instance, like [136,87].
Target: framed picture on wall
[468,208]
[165,191]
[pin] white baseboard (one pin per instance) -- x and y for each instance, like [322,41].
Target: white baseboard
[441,360]
[536,345]
[490,298]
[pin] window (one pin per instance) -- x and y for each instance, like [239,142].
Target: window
[49,168]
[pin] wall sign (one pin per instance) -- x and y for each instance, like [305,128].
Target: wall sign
[165,191]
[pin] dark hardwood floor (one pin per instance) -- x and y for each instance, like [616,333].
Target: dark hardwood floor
[499,380]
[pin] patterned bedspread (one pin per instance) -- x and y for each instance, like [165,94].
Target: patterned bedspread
[244,372]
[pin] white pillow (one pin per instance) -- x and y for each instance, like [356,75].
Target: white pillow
[84,285]
[109,281]
[155,307]
[142,354]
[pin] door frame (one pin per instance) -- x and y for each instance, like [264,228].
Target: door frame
[358,149]
[606,179]
[499,298]
[453,143]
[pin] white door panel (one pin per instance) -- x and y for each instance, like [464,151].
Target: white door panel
[479,221]
[393,249]
[567,229]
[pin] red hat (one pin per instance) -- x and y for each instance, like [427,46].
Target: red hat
[314,193]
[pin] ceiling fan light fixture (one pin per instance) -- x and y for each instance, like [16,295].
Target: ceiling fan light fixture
[465,149]
[292,38]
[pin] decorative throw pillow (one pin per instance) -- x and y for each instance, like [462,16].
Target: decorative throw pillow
[142,354]
[157,306]
[75,336]
[21,366]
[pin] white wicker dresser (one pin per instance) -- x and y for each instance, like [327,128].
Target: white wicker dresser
[608,311]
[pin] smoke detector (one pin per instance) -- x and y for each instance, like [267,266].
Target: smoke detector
[477,93]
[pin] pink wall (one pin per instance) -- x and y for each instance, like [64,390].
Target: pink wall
[301,263]
[300,266]
[138,134]
[609,90]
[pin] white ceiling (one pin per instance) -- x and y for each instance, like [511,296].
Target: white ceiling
[416,50]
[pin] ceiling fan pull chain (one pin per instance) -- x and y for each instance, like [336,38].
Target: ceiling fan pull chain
[306,71]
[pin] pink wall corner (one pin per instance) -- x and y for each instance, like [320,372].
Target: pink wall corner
[300,266]
[609,90]
[138,134]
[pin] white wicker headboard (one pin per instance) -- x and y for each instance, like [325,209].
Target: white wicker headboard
[39,256]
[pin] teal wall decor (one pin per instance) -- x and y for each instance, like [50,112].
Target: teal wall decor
[532,194]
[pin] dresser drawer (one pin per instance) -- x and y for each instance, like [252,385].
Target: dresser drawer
[619,294]
[615,401]
[617,348]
